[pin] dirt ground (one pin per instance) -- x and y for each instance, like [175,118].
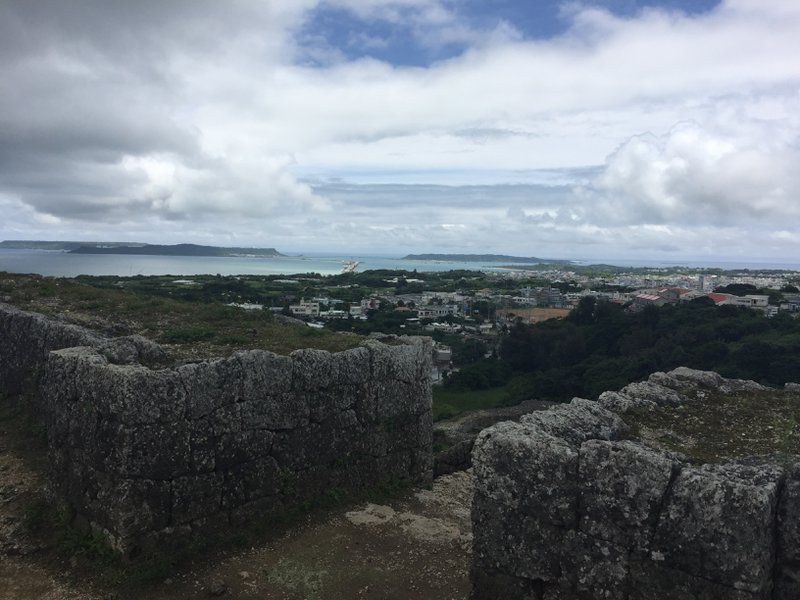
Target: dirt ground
[415,546]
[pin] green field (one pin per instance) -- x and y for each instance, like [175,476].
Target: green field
[450,403]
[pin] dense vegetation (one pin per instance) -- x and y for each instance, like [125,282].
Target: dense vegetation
[601,346]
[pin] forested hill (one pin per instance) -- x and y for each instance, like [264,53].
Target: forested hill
[498,258]
[178,250]
[602,347]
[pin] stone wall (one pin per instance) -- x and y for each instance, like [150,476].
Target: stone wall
[566,508]
[26,339]
[145,455]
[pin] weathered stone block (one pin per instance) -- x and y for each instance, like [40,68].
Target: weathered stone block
[264,374]
[393,362]
[787,569]
[576,422]
[136,394]
[281,411]
[525,547]
[622,487]
[654,581]
[718,525]
[620,403]
[595,569]
[160,451]
[312,370]
[647,392]
[322,404]
[196,497]
[528,471]
[203,453]
[133,507]
[226,420]
[242,446]
[351,367]
[210,385]
[131,349]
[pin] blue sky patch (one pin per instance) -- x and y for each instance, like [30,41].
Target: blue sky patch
[401,37]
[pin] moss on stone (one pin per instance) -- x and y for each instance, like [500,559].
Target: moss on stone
[717,427]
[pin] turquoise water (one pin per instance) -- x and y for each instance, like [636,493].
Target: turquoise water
[63,264]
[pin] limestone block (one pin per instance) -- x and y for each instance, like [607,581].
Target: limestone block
[594,569]
[622,487]
[620,403]
[311,370]
[241,447]
[196,497]
[210,385]
[134,507]
[142,395]
[518,545]
[707,379]
[717,524]
[576,422]
[160,451]
[131,349]
[656,581]
[284,410]
[528,471]
[203,452]
[351,367]
[648,392]
[787,570]
[264,374]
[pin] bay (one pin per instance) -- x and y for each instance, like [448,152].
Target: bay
[65,264]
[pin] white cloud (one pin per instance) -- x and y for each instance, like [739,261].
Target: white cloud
[696,175]
[195,117]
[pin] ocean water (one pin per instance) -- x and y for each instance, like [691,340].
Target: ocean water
[64,264]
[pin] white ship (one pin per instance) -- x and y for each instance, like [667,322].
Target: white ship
[350,266]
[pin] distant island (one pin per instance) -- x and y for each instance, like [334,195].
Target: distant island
[177,250]
[498,258]
[138,248]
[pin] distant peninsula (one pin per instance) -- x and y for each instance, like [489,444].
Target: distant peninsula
[138,248]
[60,246]
[498,258]
[177,250]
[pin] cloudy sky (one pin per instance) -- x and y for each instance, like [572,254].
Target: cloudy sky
[595,129]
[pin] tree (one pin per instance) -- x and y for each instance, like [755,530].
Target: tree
[583,314]
[471,351]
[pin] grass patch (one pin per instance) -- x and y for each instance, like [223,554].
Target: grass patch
[451,403]
[719,427]
[187,335]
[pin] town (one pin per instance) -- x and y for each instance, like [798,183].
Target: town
[468,313]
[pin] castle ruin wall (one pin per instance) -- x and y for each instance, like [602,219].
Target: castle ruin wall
[567,508]
[147,455]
